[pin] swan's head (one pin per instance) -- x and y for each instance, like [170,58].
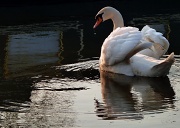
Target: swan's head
[109,13]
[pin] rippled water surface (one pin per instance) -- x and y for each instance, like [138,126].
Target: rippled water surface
[49,77]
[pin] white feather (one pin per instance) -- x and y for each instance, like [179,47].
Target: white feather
[160,43]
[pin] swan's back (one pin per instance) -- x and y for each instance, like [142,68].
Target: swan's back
[119,44]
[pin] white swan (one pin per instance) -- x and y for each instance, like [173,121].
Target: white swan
[160,43]
[118,52]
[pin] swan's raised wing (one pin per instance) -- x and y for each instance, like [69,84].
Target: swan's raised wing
[121,44]
[160,43]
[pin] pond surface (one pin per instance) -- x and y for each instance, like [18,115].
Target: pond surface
[49,77]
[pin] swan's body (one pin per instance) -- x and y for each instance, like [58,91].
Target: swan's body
[118,52]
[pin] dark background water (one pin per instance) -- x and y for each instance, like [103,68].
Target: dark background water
[38,40]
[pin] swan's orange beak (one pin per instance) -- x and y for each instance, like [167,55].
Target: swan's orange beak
[98,21]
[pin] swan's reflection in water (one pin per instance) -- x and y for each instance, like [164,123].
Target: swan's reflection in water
[133,97]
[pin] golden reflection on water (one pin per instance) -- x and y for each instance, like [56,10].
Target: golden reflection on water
[29,46]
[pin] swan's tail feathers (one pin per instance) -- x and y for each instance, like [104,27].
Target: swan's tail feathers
[138,48]
[170,58]
[163,68]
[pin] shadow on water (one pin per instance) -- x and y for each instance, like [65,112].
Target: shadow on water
[133,97]
[15,95]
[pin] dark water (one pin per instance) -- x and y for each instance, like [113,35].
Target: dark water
[49,77]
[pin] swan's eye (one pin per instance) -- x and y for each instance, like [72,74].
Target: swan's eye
[99,19]
[99,16]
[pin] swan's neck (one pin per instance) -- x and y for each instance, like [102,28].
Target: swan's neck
[117,20]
